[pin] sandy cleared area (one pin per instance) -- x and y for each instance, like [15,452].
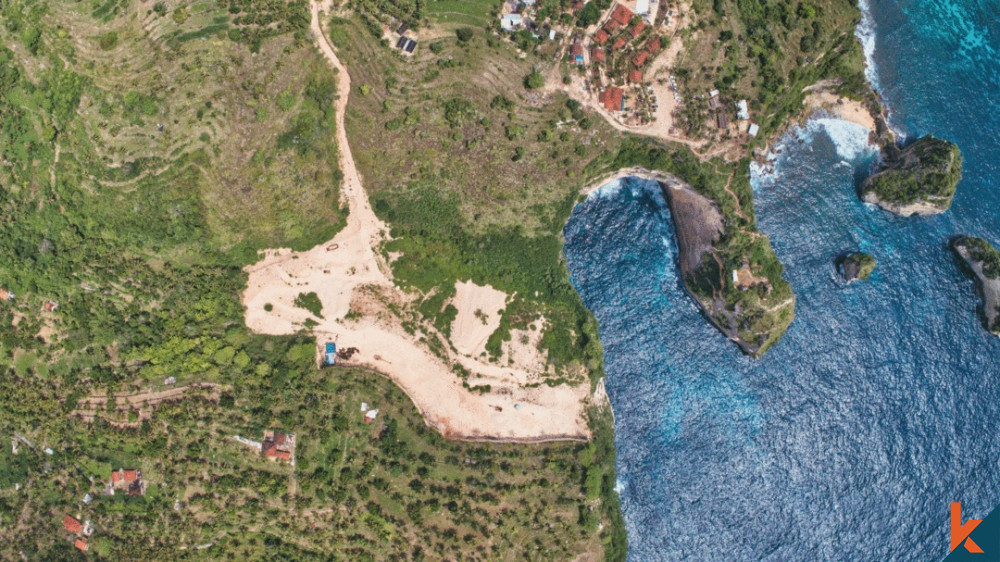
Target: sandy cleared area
[819,97]
[349,275]
[479,310]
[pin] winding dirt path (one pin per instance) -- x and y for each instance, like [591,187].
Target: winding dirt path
[360,300]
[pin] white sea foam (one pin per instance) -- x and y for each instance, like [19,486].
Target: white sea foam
[608,190]
[849,139]
[865,32]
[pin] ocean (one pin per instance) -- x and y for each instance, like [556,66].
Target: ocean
[851,437]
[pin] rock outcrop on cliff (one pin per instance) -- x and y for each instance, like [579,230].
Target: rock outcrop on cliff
[982,260]
[742,306]
[917,180]
[855,266]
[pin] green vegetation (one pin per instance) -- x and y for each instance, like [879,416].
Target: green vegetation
[926,171]
[981,251]
[767,51]
[436,145]
[856,265]
[310,301]
[758,315]
[139,186]
[534,80]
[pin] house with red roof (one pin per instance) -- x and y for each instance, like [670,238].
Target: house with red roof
[622,15]
[597,55]
[618,44]
[129,481]
[637,29]
[654,45]
[601,36]
[613,99]
[81,544]
[640,60]
[278,446]
[576,52]
[72,525]
[635,75]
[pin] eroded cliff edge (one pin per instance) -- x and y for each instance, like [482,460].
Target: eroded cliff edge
[982,261]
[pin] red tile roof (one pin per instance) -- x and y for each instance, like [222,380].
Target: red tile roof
[270,450]
[576,50]
[637,29]
[115,476]
[612,98]
[601,36]
[621,14]
[283,455]
[130,476]
[72,525]
[81,544]
[279,438]
[611,26]
[640,59]
[618,44]
[635,75]
[654,45]
[596,55]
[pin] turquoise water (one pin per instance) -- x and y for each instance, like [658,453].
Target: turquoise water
[848,440]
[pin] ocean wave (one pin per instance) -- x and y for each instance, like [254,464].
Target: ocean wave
[865,32]
[850,140]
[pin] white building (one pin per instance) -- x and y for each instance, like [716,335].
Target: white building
[753,129]
[511,22]
[642,7]
[742,110]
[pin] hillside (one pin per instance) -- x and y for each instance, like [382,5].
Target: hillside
[149,151]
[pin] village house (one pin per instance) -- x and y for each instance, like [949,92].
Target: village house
[618,44]
[72,525]
[576,52]
[640,60]
[635,76]
[637,29]
[601,37]
[6,295]
[622,15]
[613,99]
[81,544]
[597,55]
[278,446]
[129,481]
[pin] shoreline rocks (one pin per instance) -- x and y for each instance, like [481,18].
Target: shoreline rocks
[856,266]
[919,179]
[982,261]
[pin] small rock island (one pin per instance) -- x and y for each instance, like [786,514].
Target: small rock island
[855,266]
[917,180]
[983,261]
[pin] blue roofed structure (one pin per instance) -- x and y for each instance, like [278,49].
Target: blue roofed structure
[330,353]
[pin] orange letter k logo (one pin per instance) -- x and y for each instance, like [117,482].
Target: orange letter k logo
[960,532]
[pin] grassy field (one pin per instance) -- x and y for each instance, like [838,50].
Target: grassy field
[478,13]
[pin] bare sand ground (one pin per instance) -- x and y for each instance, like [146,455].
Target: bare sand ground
[479,310]
[820,97]
[349,275]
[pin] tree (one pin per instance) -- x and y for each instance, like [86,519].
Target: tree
[534,80]
[464,34]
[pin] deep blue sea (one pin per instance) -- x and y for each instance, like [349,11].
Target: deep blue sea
[879,407]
